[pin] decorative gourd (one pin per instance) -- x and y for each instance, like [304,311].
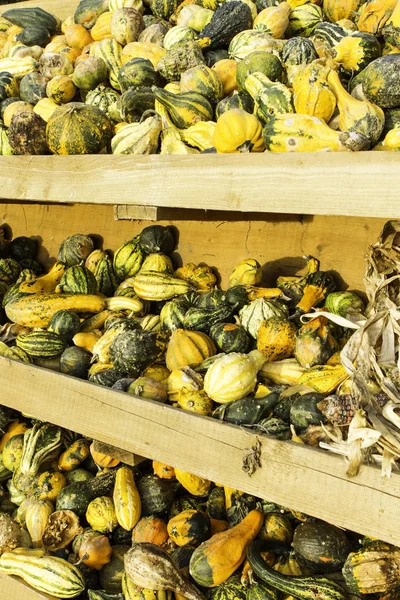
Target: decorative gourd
[253,314]
[344,9]
[277,528]
[305,588]
[196,486]
[101,515]
[304,19]
[110,51]
[274,20]
[259,62]
[228,20]
[181,378]
[356,115]
[50,484]
[103,460]
[375,15]
[231,589]
[176,35]
[27,133]
[61,89]
[36,519]
[372,571]
[276,339]
[269,97]
[298,52]
[238,131]
[128,259]
[14,108]
[203,80]
[311,92]
[320,546]
[157,495]
[150,529]
[226,71]
[94,550]
[188,349]
[151,285]
[47,574]
[233,376]
[126,25]
[137,73]
[138,138]
[74,455]
[304,411]
[194,16]
[133,592]
[284,133]
[261,591]
[27,16]
[12,452]
[133,351]
[230,338]
[88,12]
[184,109]
[146,387]
[179,59]
[152,52]
[247,272]
[189,527]
[356,50]
[215,560]
[150,567]
[379,81]
[39,443]
[324,379]
[162,470]
[314,343]
[41,343]
[77,128]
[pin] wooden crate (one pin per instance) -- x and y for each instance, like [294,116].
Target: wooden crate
[275,208]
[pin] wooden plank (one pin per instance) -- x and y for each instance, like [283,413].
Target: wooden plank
[126,212]
[277,242]
[363,184]
[293,475]
[60,8]
[13,588]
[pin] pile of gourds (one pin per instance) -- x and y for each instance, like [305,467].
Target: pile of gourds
[134,323]
[170,77]
[75,522]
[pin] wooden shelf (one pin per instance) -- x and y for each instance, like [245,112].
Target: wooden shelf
[13,588]
[308,480]
[359,184]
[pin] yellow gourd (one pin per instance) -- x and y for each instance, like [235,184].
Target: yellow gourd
[102,28]
[36,518]
[87,341]
[74,455]
[181,378]
[44,283]
[14,428]
[375,15]
[392,139]
[311,92]
[153,52]
[324,379]
[101,515]
[197,486]
[226,69]
[276,339]
[50,484]
[336,10]
[188,349]
[359,116]
[247,272]
[45,108]
[103,460]
[171,142]
[233,376]
[163,471]
[238,131]
[127,503]
[285,133]
[274,20]
[200,135]
[195,401]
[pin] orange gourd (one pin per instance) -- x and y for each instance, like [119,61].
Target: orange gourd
[152,530]
[103,460]
[163,471]
[14,428]
[226,69]
[95,551]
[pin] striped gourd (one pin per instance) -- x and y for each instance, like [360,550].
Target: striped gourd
[36,310]
[8,86]
[19,67]
[305,588]
[128,259]
[329,34]
[47,574]
[5,147]
[184,109]
[138,138]
[41,343]
[107,281]
[133,592]
[36,519]
[163,9]
[110,51]
[39,443]
[203,80]
[250,40]
[178,34]
[78,280]
[151,285]
[304,19]
[24,17]
[127,503]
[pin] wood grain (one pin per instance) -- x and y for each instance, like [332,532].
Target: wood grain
[293,475]
[13,588]
[221,239]
[363,184]
[60,8]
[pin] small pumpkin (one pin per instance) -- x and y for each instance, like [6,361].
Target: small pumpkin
[238,131]
[101,515]
[276,339]
[94,550]
[150,529]
[189,527]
